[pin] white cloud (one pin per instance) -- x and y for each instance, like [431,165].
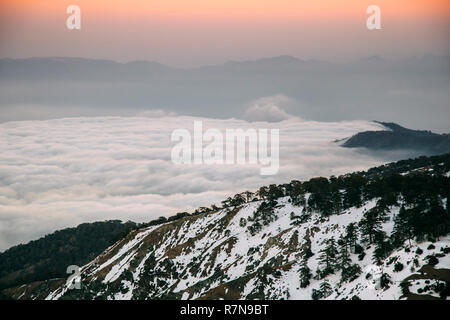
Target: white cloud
[268,109]
[156,113]
[59,173]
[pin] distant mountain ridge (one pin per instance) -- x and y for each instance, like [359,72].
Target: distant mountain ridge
[319,90]
[400,138]
[67,68]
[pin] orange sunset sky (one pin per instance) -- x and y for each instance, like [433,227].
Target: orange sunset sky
[196,32]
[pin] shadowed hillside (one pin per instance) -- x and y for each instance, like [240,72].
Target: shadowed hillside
[400,138]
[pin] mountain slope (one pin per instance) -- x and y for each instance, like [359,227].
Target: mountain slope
[49,256]
[380,234]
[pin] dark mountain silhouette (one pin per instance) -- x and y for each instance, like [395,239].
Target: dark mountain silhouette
[49,256]
[400,138]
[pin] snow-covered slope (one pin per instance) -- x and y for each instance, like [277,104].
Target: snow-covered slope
[241,252]
[212,256]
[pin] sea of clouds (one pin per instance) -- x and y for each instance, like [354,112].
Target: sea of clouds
[59,173]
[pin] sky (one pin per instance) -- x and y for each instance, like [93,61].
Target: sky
[197,32]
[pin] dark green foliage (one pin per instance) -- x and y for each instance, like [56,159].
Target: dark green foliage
[361,255]
[429,221]
[295,220]
[305,274]
[443,290]
[297,193]
[405,287]
[328,258]
[264,277]
[398,267]
[274,192]
[177,216]
[383,247]
[359,249]
[432,260]
[421,192]
[4,296]
[353,191]
[343,257]
[403,229]
[306,251]
[264,215]
[350,273]
[370,225]
[385,281]
[325,196]
[325,289]
[316,294]
[351,236]
[238,200]
[50,256]
[153,280]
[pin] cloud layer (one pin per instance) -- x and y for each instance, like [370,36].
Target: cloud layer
[59,173]
[268,109]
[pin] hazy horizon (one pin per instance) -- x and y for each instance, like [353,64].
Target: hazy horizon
[413,92]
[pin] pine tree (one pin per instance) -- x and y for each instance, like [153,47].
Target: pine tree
[353,191]
[328,257]
[306,251]
[297,194]
[305,274]
[237,200]
[274,192]
[262,192]
[344,261]
[403,229]
[350,273]
[335,200]
[343,258]
[370,225]
[325,289]
[382,247]
[351,236]
[385,281]
[248,196]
